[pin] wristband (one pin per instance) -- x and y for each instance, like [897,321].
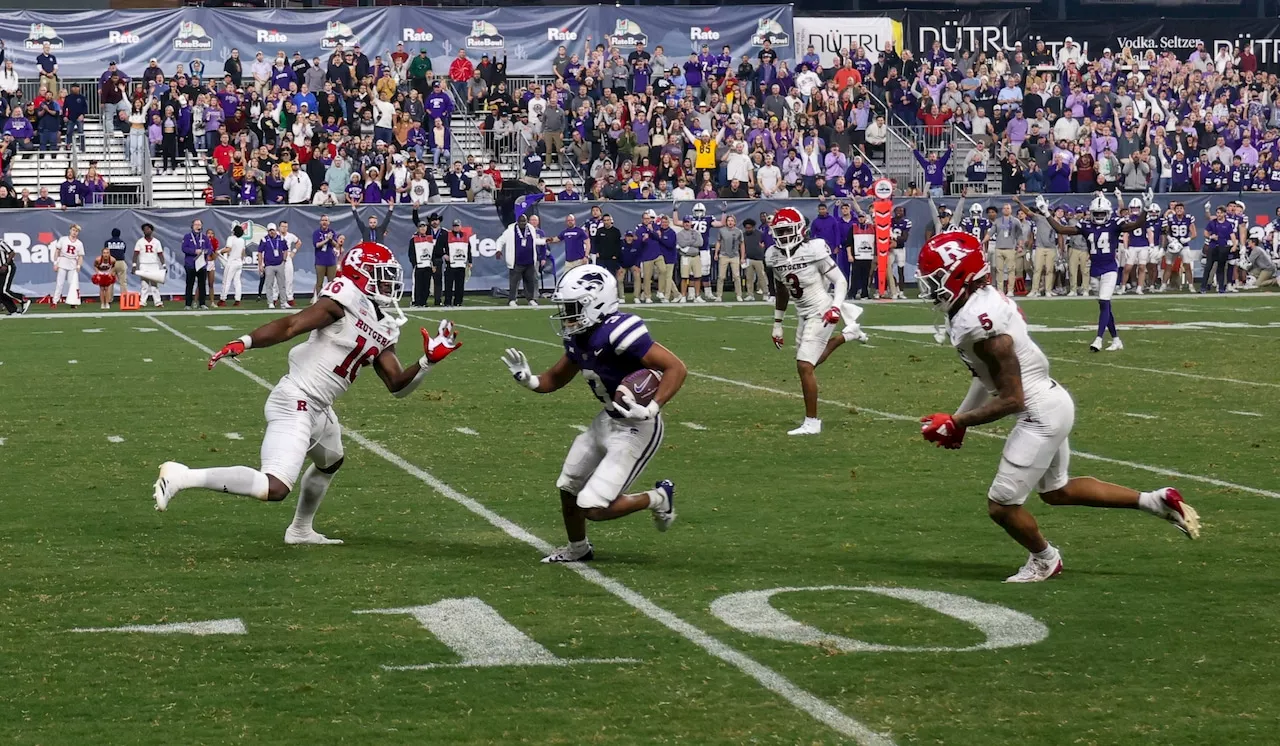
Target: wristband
[247,341]
[532,382]
[778,315]
[424,363]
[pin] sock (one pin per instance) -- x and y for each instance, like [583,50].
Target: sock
[311,489]
[657,499]
[1050,552]
[1150,502]
[238,480]
[579,546]
[1111,322]
[1104,316]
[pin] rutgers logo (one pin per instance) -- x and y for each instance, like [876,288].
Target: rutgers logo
[950,253]
[302,405]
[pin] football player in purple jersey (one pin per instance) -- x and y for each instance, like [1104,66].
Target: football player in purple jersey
[605,346]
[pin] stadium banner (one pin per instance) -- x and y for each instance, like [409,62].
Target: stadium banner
[30,232]
[84,41]
[1176,35]
[977,31]
[829,35]
[528,37]
[681,30]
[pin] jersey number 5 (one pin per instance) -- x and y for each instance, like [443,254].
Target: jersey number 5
[793,285]
[359,357]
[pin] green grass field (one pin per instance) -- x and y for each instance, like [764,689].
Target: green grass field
[1151,639]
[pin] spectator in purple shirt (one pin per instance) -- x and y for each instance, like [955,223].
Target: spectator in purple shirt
[195,247]
[73,191]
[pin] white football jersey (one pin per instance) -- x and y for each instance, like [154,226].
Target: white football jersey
[70,252]
[989,313]
[148,252]
[328,362]
[802,272]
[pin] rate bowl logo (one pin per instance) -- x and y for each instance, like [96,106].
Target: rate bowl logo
[704,33]
[40,34]
[484,35]
[271,36]
[192,38]
[253,232]
[627,33]
[771,31]
[338,34]
[416,34]
[30,251]
[123,37]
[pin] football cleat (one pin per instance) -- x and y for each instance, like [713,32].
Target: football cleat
[1174,510]
[810,426]
[662,519]
[295,537]
[568,554]
[171,473]
[1115,345]
[1096,345]
[1036,571]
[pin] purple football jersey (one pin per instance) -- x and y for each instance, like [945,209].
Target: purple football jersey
[609,352]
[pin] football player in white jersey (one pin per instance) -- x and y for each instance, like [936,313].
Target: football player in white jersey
[804,270]
[355,323]
[1011,377]
[149,264]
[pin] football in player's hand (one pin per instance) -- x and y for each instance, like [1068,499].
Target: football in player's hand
[643,385]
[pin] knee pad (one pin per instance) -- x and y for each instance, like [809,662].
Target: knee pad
[589,498]
[1007,491]
[332,468]
[568,484]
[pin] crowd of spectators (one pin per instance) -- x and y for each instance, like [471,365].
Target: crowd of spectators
[646,124]
[1076,122]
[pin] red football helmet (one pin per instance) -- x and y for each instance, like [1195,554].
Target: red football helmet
[947,264]
[787,228]
[373,269]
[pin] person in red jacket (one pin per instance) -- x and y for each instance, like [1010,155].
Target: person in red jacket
[460,71]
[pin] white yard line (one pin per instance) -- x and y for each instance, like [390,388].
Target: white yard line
[114,439]
[465,431]
[234,436]
[915,421]
[1160,372]
[694,426]
[821,710]
[1245,414]
[579,428]
[1140,415]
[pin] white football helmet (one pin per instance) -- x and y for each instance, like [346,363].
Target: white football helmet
[975,210]
[1154,210]
[699,210]
[1174,247]
[788,228]
[1135,206]
[1100,209]
[586,295]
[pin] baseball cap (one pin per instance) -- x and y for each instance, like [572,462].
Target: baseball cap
[630,233]
[457,222]
[271,226]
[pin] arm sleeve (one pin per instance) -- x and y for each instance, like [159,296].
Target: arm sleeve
[976,397]
[841,289]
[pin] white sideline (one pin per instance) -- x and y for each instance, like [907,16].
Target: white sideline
[818,708]
[908,418]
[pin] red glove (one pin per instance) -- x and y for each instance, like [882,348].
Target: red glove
[832,316]
[941,429]
[438,348]
[230,349]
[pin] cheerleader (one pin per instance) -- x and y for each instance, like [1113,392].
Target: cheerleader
[103,276]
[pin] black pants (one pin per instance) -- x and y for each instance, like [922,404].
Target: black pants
[169,151]
[862,277]
[437,275]
[9,299]
[525,274]
[421,285]
[455,279]
[196,279]
[1218,256]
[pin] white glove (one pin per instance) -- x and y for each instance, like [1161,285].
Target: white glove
[779,339]
[1042,205]
[633,410]
[1148,199]
[519,367]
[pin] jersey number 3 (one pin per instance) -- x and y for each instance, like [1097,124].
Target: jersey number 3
[793,285]
[359,357]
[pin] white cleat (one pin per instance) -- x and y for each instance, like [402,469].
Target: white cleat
[1174,510]
[1036,571]
[171,473]
[296,537]
[1096,345]
[810,426]
[1115,345]
[662,519]
[511,304]
[854,333]
[533,303]
[568,554]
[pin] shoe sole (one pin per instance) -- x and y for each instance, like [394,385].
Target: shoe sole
[292,540]
[161,487]
[590,555]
